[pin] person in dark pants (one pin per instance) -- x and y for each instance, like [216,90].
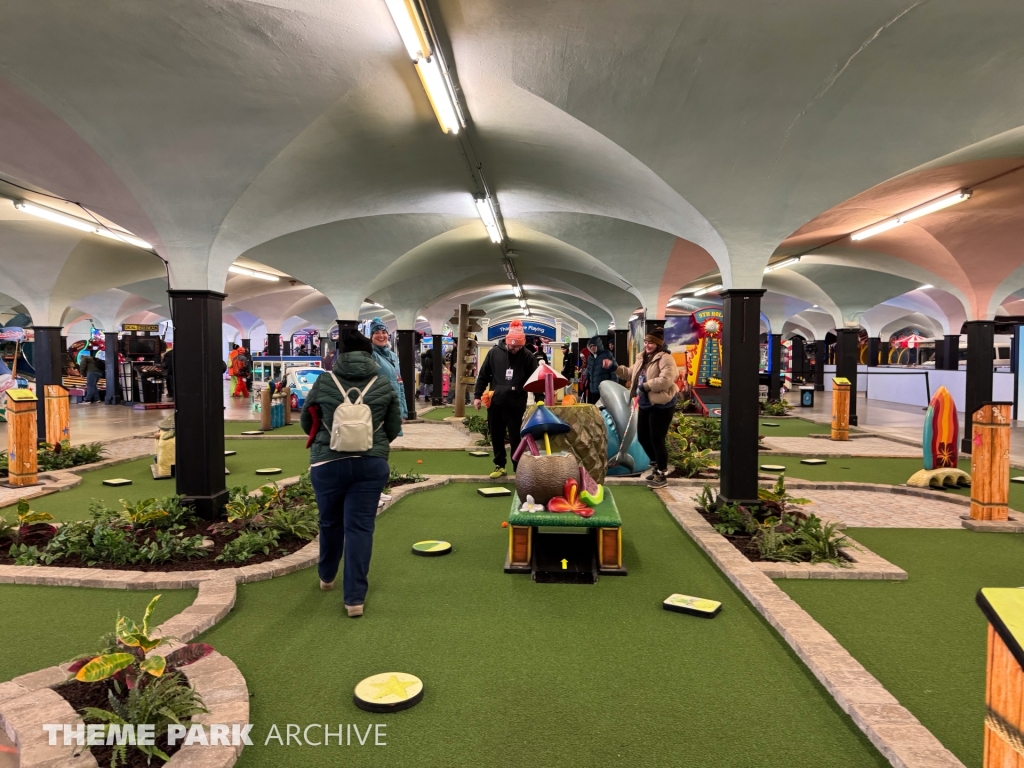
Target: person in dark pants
[653,381]
[505,369]
[90,368]
[348,485]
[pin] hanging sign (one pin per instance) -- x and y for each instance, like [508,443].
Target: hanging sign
[145,327]
[17,334]
[530,328]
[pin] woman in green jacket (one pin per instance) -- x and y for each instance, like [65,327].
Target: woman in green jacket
[348,485]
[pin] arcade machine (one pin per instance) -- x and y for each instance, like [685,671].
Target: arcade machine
[141,372]
[705,375]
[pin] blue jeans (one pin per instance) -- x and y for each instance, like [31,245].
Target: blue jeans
[347,492]
[92,393]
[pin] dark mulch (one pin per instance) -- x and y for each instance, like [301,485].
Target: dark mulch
[677,473]
[741,541]
[286,546]
[403,481]
[81,695]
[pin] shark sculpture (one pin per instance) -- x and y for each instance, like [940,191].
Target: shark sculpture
[618,408]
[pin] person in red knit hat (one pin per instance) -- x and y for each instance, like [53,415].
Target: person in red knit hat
[505,369]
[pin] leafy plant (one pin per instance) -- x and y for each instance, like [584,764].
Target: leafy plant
[705,499]
[24,554]
[247,544]
[402,478]
[776,500]
[168,545]
[64,456]
[141,513]
[169,699]
[28,525]
[774,542]
[691,463]
[476,423]
[822,543]
[775,408]
[127,660]
[300,522]
[732,518]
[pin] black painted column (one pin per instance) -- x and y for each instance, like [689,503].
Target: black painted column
[819,365]
[342,325]
[980,348]
[621,346]
[951,352]
[199,401]
[274,344]
[247,343]
[286,347]
[775,376]
[405,341]
[112,372]
[46,360]
[847,357]
[874,350]
[741,352]
[437,364]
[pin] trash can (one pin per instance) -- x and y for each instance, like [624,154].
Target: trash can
[807,396]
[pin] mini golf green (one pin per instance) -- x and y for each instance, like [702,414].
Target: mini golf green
[519,673]
[438,414]
[290,455]
[238,427]
[43,626]
[442,463]
[924,638]
[793,427]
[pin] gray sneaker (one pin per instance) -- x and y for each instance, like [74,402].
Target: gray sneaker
[658,480]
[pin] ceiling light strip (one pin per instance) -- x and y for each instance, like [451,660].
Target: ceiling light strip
[913,213]
[253,273]
[81,225]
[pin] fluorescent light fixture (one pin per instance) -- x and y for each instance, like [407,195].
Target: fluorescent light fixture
[253,273]
[80,224]
[712,289]
[877,229]
[522,303]
[485,208]
[124,237]
[782,264]
[925,287]
[410,28]
[526,311]
[55,216]
[936,205]
[913,213]
[438,93]
[517,291]
[814,306]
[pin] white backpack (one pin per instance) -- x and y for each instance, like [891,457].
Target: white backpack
[352,428]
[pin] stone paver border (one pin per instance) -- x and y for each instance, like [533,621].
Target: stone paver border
[28,701]
[894,731]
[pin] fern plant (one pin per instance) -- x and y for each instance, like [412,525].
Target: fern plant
[822,543]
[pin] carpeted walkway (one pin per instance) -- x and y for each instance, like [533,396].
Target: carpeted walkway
[43,626]
[519,673]
[924,638]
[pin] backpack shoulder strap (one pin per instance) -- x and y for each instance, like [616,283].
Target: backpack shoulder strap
[365,390]
[341,389]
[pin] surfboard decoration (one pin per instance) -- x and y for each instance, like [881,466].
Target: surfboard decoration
[941,432]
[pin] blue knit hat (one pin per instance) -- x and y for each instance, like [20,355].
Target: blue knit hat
[377,325]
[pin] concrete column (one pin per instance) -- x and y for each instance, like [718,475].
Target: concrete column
[437,362]
[199,405]
[405,342]
[847,357]
[775,360]
[113,370]
[286,347]
[799,357]
[950,346]
[741,351]
[819,365]
[874,350]
[621,346]
[980,349]
[273,344]
[46,359]
[247,343]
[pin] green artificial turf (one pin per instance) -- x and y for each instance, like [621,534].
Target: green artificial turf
[442,463]
[791,427]
[43,626]
[290,455]
[238,427]
[438,414]
[524,674]
[924,639]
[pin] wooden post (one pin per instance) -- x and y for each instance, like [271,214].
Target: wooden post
[58,415]
[520,545]
[265,406]
[1004,678]
[459,356]
[990,462]
[840,409]
[21,437]
[287,406]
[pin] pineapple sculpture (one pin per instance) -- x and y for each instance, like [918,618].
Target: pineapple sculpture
[587,438]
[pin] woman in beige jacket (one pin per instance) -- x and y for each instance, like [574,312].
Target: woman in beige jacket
[653,380]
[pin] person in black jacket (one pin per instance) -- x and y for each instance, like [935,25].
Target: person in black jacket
[506,369]
[93,372]
[427,374]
